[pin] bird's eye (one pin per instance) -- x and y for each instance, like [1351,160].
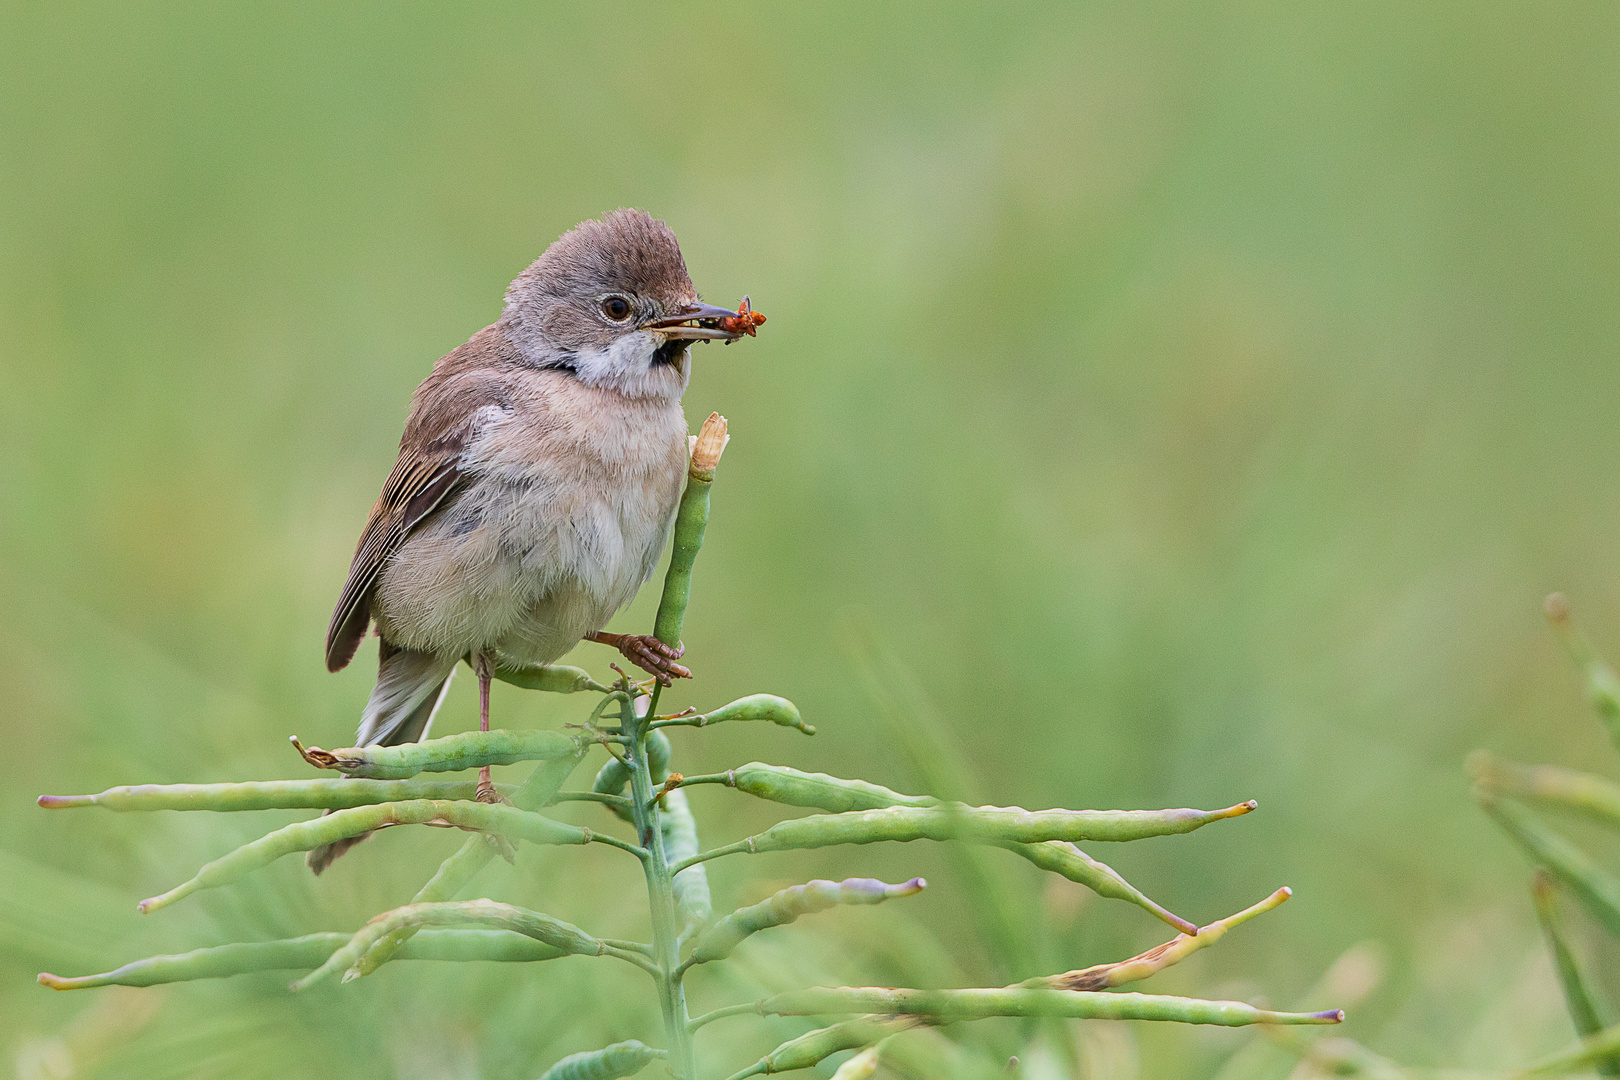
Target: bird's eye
[616,308]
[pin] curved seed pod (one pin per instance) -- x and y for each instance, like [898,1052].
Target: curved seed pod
[552,678]
[693,902]
[813,1047]
[609,1063]
[1582,1012]
[503,821]
[612,778]
[309,951]
[780,784]
[777,710]
[1602,685]
[949,1005]
[784,907]
[468,750]
[320,794]
[1106,976]
[1548,785]
[456,871]
[981,824]
[565,937]
[1102,879]
[658,754]
[1594,886]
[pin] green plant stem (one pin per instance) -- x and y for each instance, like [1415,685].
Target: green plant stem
[720,1014]
[660,899]
[1583,1011]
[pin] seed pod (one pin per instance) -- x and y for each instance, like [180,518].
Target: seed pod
[1594,886]
[1106,976]
[454,873]
[690,522]
[777,710]
[322,794]
[812,1047]
[505,821]
[980,824]
[565,937]
[1548,785]
[784,907]
[468,750]
[693,902]
[950,1005]
[658,754]
[551,678]
[610,1063]
[791,787]
[860,1067]
[1074,864]
[305,952]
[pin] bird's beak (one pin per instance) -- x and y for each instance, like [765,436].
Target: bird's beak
[698,322]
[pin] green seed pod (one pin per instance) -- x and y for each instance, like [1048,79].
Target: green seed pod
[791,787]
[981,824]
[551,678]
[693,902]
[565,937]
[1099,877]
[612,778]
[777,710]
[780,784]
[951,1005]
[658,754]
[320,794]
[610,1063]
[813,1047]
[1594,886]
[468,750]
[860,1067]
[787,905]
[456,871]
[505,821]
[305,952]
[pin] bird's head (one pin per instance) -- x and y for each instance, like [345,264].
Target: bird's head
[612,302]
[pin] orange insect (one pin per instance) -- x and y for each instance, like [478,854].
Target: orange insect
[744,322]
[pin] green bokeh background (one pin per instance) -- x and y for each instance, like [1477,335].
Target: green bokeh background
[1196,401]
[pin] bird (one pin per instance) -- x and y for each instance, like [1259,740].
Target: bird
[538,478]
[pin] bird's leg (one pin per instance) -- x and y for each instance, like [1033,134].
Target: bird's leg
[485,670]
[647,653]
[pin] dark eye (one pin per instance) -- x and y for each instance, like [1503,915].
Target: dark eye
[616,308]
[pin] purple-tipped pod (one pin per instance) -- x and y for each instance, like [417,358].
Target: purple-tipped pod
[506,821]
[789,904]
[468,750]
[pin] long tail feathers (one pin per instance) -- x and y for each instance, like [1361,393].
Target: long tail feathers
[410,688]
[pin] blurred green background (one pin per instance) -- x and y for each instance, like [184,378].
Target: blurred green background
[1195,399]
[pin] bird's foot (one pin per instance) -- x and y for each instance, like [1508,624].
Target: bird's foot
[486,791]
[649,654]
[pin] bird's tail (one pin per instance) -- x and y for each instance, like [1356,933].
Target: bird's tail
[410,687]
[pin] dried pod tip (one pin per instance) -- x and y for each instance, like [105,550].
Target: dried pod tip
[1557,608]
[708,445]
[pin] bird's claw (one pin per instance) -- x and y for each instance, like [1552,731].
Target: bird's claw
[654,657]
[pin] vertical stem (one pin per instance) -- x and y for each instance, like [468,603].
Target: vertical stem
[690,522]
[660,896]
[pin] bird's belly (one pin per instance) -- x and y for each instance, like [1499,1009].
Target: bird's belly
[525,569]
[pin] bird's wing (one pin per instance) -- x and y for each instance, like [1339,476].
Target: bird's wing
[451,407]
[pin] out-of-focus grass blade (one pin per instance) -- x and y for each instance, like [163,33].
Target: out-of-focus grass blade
[1549,786]
[1582,1010]
[1593,885]
[1602,685]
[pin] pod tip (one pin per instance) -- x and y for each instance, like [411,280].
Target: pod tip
[1557,607]
[57,802]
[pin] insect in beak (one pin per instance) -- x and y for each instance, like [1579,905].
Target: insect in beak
[708,322]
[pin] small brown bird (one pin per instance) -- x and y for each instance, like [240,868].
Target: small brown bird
[537,481]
